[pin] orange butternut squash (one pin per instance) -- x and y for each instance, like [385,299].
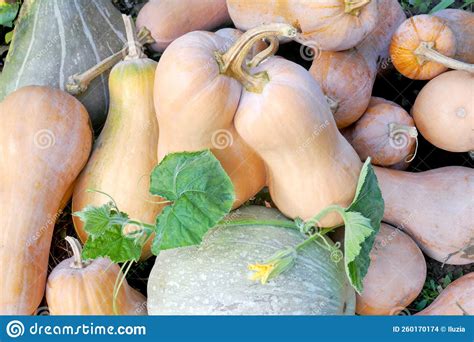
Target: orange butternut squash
[434,207]
[455,299]
[46,137]
[422,48]
[125,152]
[444,111]
[170,19]
[396,274]
[310,165]
[347,77]
[196,98]
[462,24]
[386,133]
[82,287]
[332,25]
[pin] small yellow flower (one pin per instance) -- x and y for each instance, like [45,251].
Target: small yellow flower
[262,271]
[280,262]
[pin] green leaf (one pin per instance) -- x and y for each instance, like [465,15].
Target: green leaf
[8,37]
[96,219]
[8,11]
[362,223]
[114,244]
[105,226]
[202,194]
[441,6]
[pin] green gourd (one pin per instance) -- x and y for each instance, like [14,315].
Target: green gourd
[54,39]
[213,278]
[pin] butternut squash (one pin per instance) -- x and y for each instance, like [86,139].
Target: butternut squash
[422,48]
[396,274]
[332,25]
[310,165]
[125,152]
[444,111]
[347,77]
[434,207]
[346,80]
[170,19]
[46,137]
[195,103]
[462,24]
[386,133]
[82,287]
[455,299]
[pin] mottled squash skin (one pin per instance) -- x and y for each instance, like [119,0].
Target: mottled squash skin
[54,39]
[212,279]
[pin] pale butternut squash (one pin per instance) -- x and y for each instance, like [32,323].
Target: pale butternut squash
[462,24]
[434,207]
[196,99]
[310,165]
[86,287]
[455,299]
[332,25]
[125,152]
[386,133]
[444,111]
[170,19]
[347,77]
[396,274]
[422,48]
[45,140]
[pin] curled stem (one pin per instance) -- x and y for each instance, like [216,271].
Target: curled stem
[78,83]
[231,63]
[397,131]
[426,52]
[262,55]
[76,250]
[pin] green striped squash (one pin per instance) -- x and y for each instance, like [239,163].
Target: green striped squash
[213,278]
[54,39]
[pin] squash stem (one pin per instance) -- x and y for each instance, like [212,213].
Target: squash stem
[355,6]
[262,55]
[76,250]
[247,222]
[401,134]
[231,63]
[426,52]
[134,49]
[333,104]
[78,83]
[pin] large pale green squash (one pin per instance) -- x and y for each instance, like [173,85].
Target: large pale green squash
[54,39]
[213,278]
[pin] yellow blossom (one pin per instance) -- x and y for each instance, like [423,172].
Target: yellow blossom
[262,271]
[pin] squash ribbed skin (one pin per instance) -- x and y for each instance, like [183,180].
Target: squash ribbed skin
[125,153]
[89,290]
[212,279]
[323,24]
[55,39]
[45,140]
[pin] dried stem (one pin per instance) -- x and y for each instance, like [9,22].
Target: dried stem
[231,63]
[426,52]
[76,250]
[355,6]
[78,83]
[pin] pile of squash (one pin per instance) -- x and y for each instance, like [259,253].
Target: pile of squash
[270,122]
